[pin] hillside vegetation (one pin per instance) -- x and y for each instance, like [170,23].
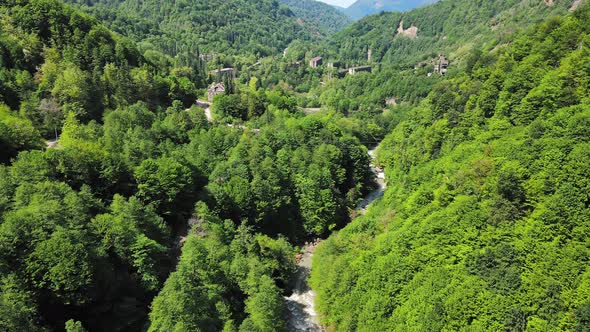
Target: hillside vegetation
[234,27]
[448,26]
[91,230]
[484,226]
[125,207]
[318,14]
[55,60]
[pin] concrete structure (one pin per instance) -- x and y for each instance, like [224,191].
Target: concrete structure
[354,70]
[441,65]
[315,62]
[207,57]
[214,90]
[223,72]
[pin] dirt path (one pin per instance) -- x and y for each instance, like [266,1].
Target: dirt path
[207,106]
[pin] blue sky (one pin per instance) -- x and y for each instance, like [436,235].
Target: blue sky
[341,3]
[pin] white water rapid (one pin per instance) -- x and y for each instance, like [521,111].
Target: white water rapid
[302,316]
[381,185]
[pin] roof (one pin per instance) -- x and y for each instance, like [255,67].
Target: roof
[217,86]
[224,70]
[361,67]
[317,58]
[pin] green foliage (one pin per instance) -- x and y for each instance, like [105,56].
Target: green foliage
[164,183]
[137,235]
[74,326]
[285,179]
[231,27]
[443,27]
[16,134]
[61,60]
[16,306]
[483,226]
[265,308]
[325,17]
[62,264]
[217,269]
[185,303]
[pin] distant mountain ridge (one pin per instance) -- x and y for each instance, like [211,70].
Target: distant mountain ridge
[362,8]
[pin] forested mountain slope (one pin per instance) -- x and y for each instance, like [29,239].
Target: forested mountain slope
[148,215]
[448,26]
[484,225]
[236,27]
[55,60]
[328,18]
[74,243]
[91,228]
[401,65]
[362,8]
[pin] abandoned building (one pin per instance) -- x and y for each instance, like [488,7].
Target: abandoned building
[214,90]
[207,57]
[354,70]
[441,65]
[315,62]
[223,72]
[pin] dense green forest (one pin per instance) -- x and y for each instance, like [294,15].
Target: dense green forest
[485,224]
[448,26]
[55,60]
[125,207]
[189,27]
[90,229]
[318,14]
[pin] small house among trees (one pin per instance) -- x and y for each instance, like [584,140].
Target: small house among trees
[315,62]
[214,90]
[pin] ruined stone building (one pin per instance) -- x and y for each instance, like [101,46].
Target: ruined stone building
[214,90]
[207,57]
[391,101]
[315,62]
[441,65]
[354,70]
[223,72]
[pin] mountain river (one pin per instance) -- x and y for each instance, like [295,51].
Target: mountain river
[302,316]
